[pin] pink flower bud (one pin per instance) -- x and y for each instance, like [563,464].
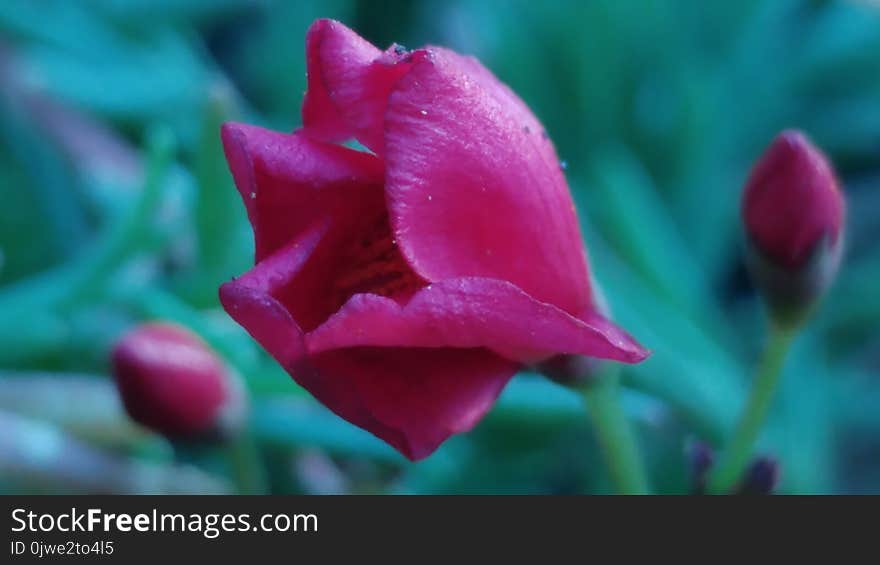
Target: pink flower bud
[171,381]
[794,213]
[792,201]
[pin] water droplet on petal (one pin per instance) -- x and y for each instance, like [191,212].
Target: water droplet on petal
[423,112]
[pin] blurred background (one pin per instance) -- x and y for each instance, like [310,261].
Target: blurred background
[117,208]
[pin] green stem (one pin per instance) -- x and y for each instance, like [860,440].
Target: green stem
[67,284]
[616,438]
[733,461]
[134,228]
[247,469]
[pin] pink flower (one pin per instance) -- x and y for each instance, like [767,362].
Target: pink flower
[170,381]
[403,287]
[792,202]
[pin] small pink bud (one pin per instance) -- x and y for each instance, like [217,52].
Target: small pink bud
[172,382]
[792,201]
[794,213]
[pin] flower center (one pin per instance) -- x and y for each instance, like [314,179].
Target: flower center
[372,263]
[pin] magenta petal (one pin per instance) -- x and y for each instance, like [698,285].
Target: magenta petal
[288,180]
[474,312]
[254,300]
[475,187]
[320,114]
[349,81]
[412,398]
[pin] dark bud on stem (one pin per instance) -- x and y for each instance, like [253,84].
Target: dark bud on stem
[701,457]
[761,477]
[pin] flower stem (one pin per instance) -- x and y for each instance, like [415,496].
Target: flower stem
[739,449]
[64,286]
[247,469]
[615,436]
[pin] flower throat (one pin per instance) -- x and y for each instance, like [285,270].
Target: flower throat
[374,264]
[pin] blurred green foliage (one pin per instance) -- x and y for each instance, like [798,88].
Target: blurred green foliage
[117,207]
